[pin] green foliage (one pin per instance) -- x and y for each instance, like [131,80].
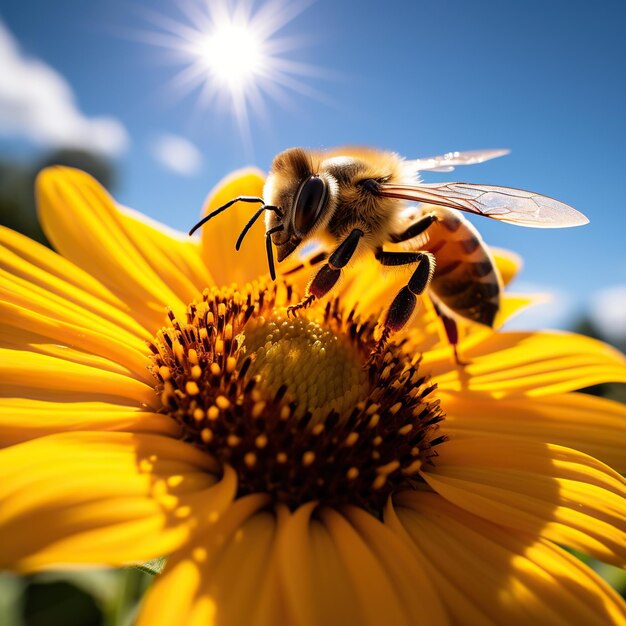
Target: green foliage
[88,597]
[17,186]
[153,567]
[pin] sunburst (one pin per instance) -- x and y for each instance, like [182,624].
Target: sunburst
[233,55]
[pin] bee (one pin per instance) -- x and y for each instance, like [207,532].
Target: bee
[355,201]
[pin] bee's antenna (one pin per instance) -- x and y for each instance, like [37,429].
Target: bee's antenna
[253,219]
[268,247]
[212,214]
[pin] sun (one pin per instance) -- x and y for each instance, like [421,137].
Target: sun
[234,56]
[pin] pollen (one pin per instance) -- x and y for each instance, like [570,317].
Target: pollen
[320,372]
[289,404]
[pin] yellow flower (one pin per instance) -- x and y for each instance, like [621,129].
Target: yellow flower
[157,401]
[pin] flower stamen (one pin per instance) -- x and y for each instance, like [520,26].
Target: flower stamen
[287,402]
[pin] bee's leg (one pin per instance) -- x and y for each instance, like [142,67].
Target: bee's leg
[329,273]
[404,303]
[452,333]
[415,229]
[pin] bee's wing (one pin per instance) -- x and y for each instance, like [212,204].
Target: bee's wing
[499,203]
[446,162]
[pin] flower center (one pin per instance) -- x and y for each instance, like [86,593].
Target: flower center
[288,404]
[320,372]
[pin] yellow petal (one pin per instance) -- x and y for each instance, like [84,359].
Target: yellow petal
[103,498]
[32,300]
[511,304]
[409,578]
[237,590]
[176,597]
[217,577]
[271,608]
[336,600]
[220,234]
[22,419]
[296,567]
[508,263]
[49,276]
[23,328]
[539,489]
[349,569]
[18,339]
[173,255]
[580,421]
[85,226]
[376,597]
[23,370]
[490,575]
[531,364]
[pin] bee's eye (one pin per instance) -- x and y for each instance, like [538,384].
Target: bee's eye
[309,204]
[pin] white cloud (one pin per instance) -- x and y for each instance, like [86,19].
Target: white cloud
[37,103]
[608,311]
[177,154]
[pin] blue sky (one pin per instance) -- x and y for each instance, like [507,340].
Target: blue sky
[545,79]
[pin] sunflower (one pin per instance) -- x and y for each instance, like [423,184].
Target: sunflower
[158,401]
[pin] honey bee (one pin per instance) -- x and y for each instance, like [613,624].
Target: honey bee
[354,200]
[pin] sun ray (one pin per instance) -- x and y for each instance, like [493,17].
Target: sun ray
[232,58]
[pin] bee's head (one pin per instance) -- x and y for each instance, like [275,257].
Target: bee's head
[303,196]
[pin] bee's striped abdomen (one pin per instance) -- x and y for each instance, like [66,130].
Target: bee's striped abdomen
[466,279]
